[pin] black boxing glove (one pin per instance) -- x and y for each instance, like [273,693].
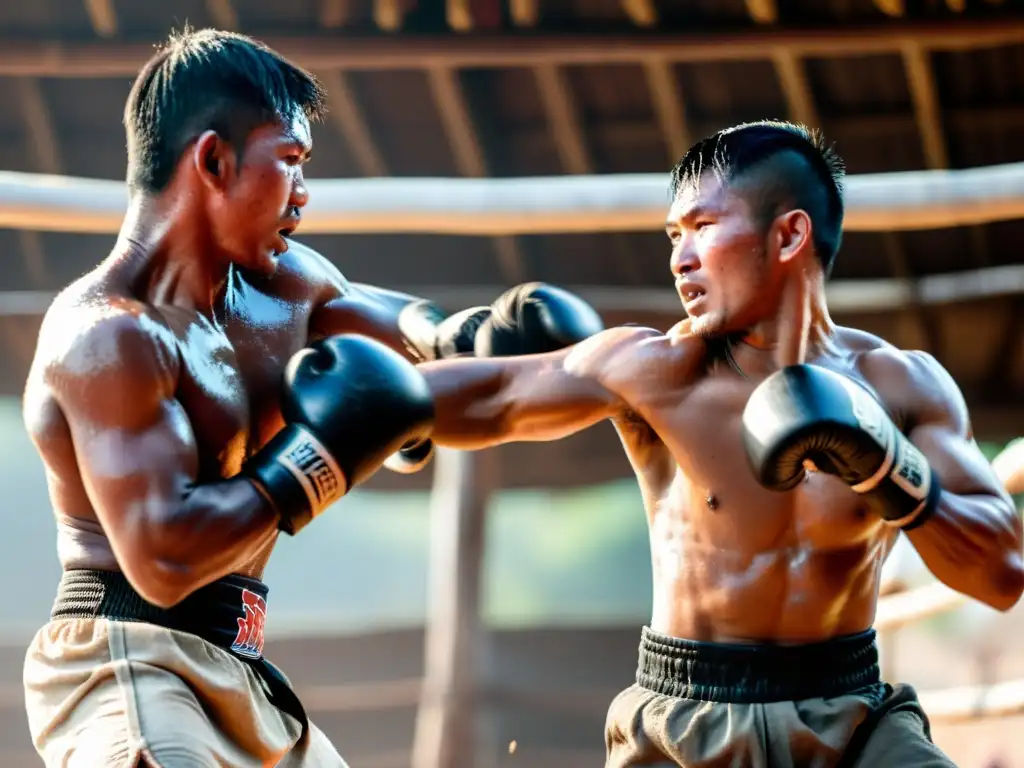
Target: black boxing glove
[807,412]
[431,335]
[411,458]
[349,402]
[534,318]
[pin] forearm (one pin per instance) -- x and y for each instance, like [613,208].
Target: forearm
[468,397]
[973,544]
[213,532]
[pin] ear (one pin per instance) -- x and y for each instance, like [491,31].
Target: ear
[214,160]
[793,234]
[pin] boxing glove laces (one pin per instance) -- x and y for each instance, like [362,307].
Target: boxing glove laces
[807,412]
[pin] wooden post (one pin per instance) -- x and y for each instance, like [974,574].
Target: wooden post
[446,725]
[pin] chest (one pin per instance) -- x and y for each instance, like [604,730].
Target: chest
[706,486]
[231,374]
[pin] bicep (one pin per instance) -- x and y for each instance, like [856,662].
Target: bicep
[141,471]
[365,310]
[941,429]
[134,444]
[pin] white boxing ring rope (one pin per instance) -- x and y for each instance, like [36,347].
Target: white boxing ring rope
[629,202]
[520,206]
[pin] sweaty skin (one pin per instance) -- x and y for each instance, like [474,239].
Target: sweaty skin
[732,561]
[142,410]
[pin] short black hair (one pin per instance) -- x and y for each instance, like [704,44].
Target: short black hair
[786,166]
[208,79]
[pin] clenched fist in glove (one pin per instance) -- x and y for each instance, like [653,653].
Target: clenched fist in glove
[807,412]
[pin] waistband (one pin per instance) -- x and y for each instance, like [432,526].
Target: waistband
[756,674]
[230,613]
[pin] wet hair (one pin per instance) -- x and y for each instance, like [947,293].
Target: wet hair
[777,166]
[208,80]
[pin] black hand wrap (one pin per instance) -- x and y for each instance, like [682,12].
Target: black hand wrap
[349,402]
[535,318]
[807,412]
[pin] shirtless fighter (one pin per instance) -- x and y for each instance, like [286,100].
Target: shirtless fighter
[774,491]
[197,393]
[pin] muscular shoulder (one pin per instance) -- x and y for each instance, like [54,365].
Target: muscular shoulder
[912,384]
[626,358]
[104,353]
[307,268]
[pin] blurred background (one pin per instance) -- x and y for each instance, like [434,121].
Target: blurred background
[530,564]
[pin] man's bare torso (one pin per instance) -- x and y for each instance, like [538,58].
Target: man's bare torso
[228,372]
[732,561]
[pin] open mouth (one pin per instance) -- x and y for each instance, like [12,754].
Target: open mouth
[690,293]
[282,236]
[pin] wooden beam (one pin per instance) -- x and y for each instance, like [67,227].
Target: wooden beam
[642,13]
[450,98]
[446,724]
[895,8]
[388,15]
[368,53]
[44,148]
[346,115]
[524,13]
[1009,350]
[39,129]
[669,107]
[222,13]
[796,87]
[927,328]
[763,11]
[334,13]
[927,112]
[563,119]
[102,16]
[459,15]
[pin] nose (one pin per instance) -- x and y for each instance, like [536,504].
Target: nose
[684,259]
[300,193]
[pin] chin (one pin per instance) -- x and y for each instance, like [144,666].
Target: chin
[707,326]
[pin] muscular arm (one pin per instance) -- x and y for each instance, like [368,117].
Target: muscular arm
[973,542]
[366,310]
[138,461]
[485,402]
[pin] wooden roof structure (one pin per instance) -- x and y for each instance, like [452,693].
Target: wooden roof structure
[496,88]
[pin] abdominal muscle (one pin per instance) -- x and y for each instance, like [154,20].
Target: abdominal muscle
[731,588]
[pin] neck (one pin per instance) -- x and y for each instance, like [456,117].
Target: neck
[764,339]
[169,254]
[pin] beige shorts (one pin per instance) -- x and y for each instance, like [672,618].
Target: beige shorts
[105,694]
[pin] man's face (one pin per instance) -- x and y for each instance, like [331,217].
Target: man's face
[263,201]
[719,259]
